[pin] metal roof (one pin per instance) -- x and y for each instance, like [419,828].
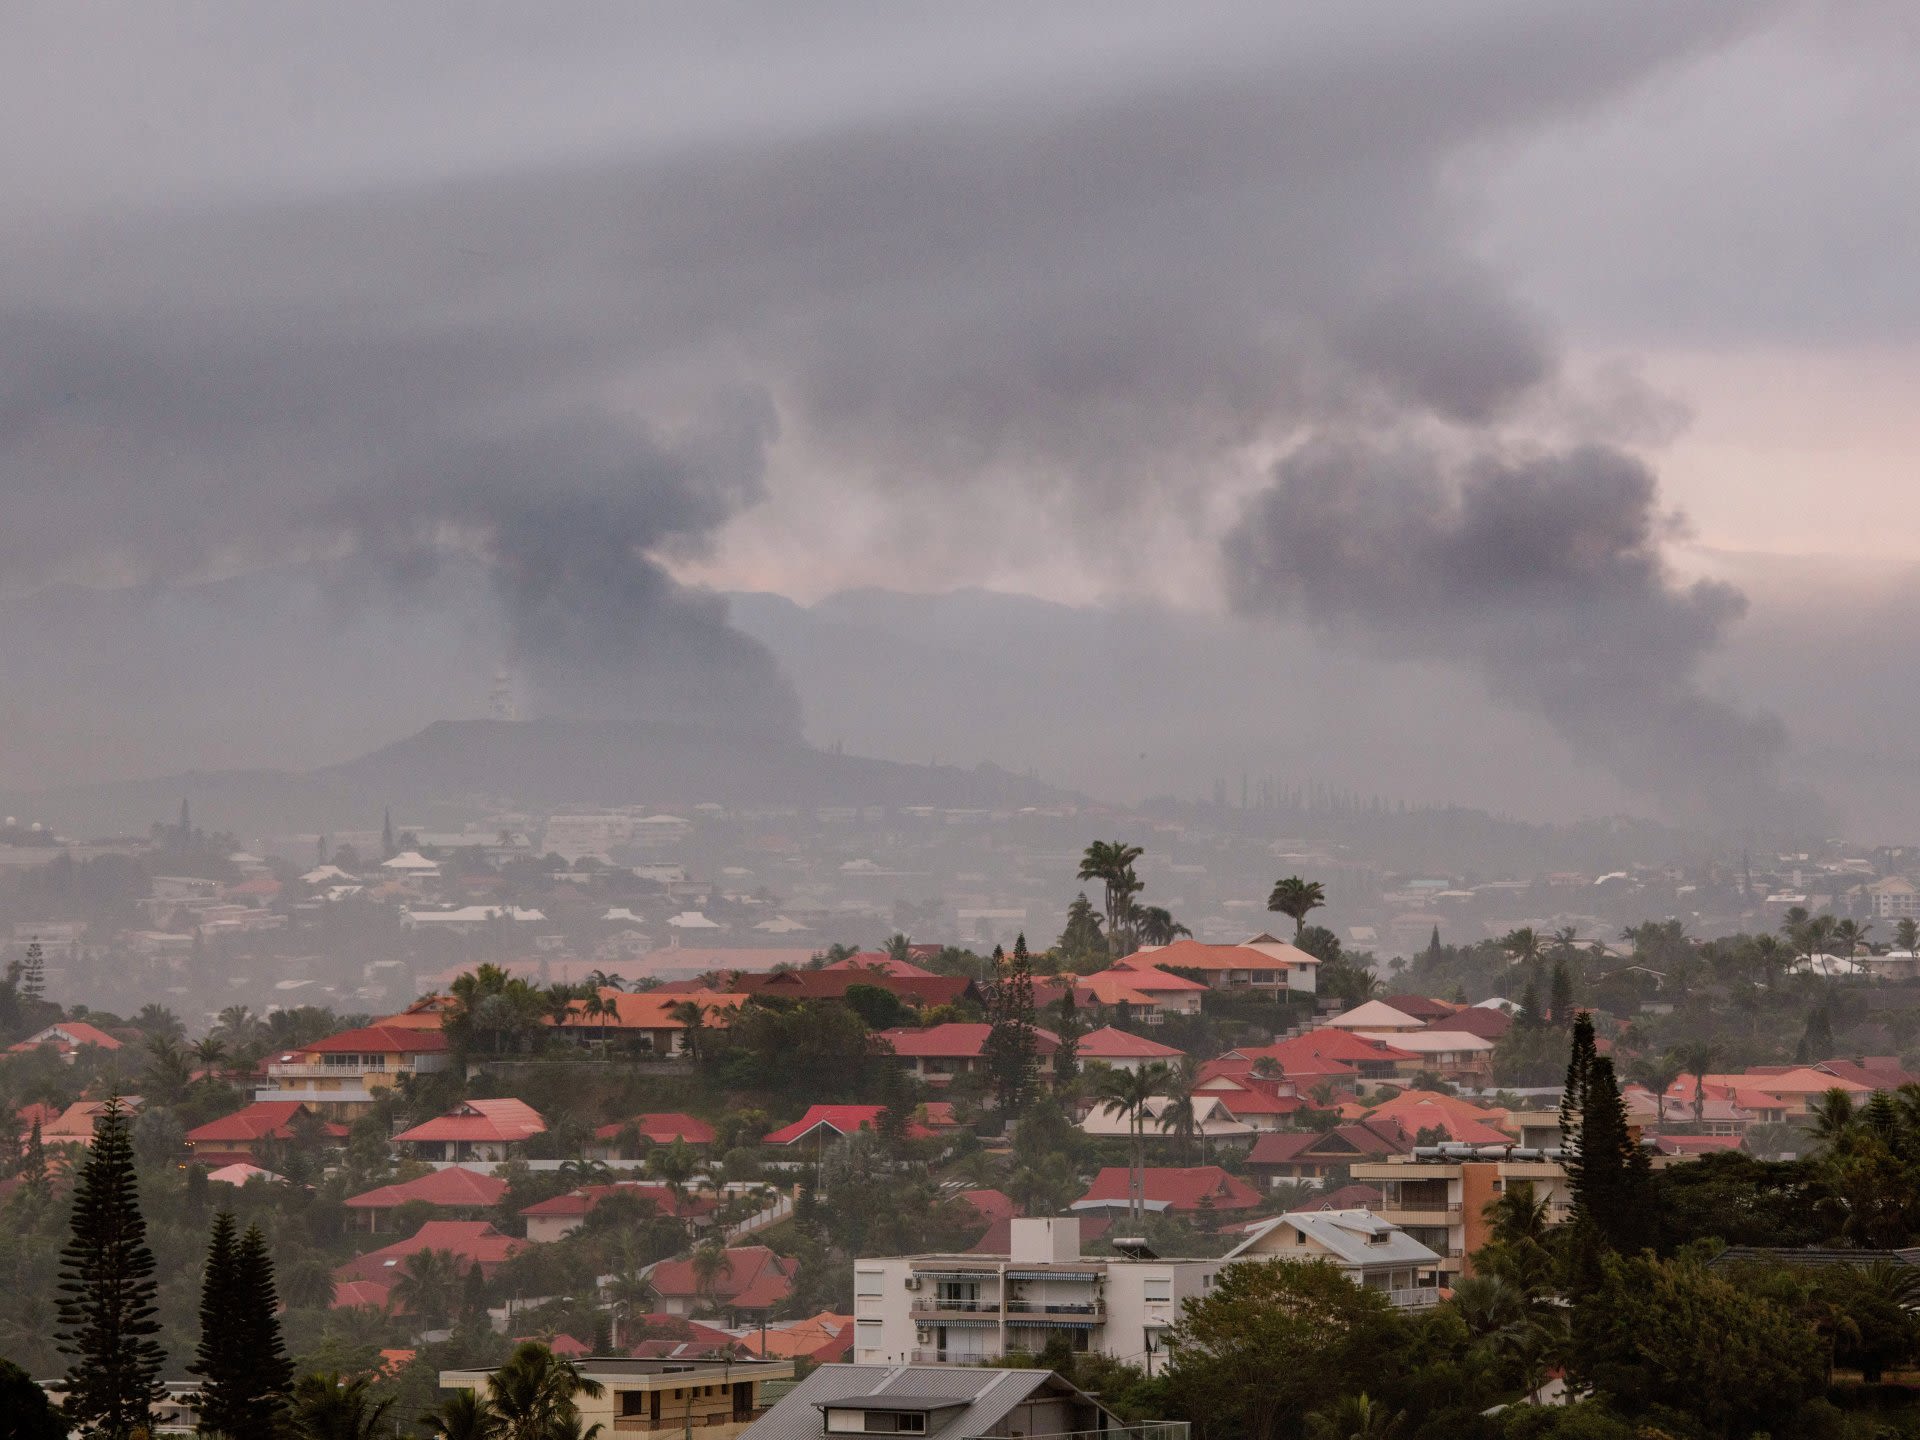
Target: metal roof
[972,1401]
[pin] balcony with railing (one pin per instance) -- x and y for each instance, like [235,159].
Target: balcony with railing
[956,1305]
[1065,1309]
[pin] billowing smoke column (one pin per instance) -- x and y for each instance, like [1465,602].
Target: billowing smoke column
[570,524]
[1542,573]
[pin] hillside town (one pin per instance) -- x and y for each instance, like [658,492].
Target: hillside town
[917,1157]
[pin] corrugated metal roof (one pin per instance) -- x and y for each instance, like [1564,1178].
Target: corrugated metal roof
[988,1396]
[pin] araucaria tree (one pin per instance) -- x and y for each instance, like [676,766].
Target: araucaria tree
[241,1361]
[1011,1049]
[107,1290]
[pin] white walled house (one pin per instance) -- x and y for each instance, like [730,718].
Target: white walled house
[1374,1254]
[970,1309]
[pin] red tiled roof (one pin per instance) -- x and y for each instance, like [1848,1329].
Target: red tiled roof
[379,1039]
[1180,1189]
[1107,1043]
[661,1128]
[992,1204]
[1481,1020]
[956,1040]
[474,1242]
[1324,1044]
[1422,1007]
[1879,1072]
[884,963]
[1144,975]
[262,1120]
[757,1280]
[454,1187]
[1358,1141]
[351,1294]
[1198,955]
[498,1120]
[583,1200]
[841,1119]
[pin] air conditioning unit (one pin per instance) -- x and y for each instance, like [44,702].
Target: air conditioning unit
[913,1282]
[923,1337]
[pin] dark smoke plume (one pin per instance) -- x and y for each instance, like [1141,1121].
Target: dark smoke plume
[569,524]
[1542,573]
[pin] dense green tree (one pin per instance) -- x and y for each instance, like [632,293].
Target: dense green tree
[25,1411]
[1272,1343]
[108,1317]
[1082,946]
[1660,1336]
[241,1361]
[463,1415]
[1009,1057]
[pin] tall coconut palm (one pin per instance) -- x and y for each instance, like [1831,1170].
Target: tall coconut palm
[711,1265]
[211,1052]
[1296,899]
[1522,946]
[1181,1116]
[1698,1059]
[533,1395]
[1128,1093]
[1111,863]
[1518,1214]
[1657,1073]
[1906,935]
[1850,935]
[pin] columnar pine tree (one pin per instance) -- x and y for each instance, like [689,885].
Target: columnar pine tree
[1573,1098]
[33,973]
[33,1165]
[1011,1047]
[1069,1027]
[107,1291]
[241,1356]
[1560,994]
[222,1390]
[266,1372]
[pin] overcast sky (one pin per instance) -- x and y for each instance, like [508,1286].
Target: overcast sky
[1095,302]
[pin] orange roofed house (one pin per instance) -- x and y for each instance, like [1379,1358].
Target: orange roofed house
[475,1130]
[240,1135]
[342,1075]
[653,1021]
[753,1282]
[1261,962]
[66,1038]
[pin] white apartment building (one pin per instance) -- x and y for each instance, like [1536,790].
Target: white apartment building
[968,1309]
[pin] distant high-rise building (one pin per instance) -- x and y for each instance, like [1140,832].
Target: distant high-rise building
[500,704]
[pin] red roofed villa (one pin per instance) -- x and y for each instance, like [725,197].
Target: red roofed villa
[475,1130]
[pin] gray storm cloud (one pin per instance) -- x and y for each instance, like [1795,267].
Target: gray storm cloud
[1098,286]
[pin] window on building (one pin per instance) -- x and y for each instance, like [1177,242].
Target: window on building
[1157,1288]
[868,1282]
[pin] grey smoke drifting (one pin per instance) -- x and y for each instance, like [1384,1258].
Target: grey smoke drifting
[1044,298]
[1543,574]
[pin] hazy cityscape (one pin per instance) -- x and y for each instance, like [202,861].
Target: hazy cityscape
[1092,722]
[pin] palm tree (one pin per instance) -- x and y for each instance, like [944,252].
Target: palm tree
[711,1265]
[211,1052]
[1155,925]
[1127,1093]
[1658,1073]
[1698,1059]
[463,1415]
[428,1286]
[1356,1417]
[691,1015]
[332,1406]
[1296,899]
[1850,935]
[673,1165]
[1833,1119]
[1522,946]
[167,1074]
[1182,1115]
[1517,1214]
[533,1395]
[1906,935]
[1111,863]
